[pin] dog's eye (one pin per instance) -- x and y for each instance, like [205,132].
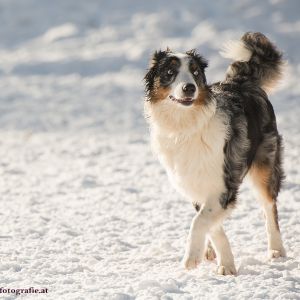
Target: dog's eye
[196,73]
[170,72]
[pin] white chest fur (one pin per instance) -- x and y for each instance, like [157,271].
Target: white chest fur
[194,162]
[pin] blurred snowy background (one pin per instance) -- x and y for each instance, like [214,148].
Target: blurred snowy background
[86,209]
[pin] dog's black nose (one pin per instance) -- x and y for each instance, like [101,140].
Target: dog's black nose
[189,89]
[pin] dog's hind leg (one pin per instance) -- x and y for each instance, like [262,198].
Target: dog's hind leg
[261,176]
[210,253]
[224,255]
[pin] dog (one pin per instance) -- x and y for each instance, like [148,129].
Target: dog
[209,137]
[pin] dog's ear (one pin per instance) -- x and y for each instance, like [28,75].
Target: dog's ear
[168,50]
[157,56]
[152,71]
[201,61]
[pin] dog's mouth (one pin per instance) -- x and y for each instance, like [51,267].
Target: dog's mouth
[187,101]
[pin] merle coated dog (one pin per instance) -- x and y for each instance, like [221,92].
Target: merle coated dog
[209,137]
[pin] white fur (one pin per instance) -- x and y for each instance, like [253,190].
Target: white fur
[194,158]
[189,143]
[275,247]
[236,50]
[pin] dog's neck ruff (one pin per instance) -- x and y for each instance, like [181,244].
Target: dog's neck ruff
[179,122]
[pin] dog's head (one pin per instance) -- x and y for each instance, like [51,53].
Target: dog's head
[176,77]
[176,89]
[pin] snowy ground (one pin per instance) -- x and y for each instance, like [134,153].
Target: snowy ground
[87,211]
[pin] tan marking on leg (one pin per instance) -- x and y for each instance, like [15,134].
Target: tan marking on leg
[260,177]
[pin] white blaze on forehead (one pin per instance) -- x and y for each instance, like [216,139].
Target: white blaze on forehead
[179,55]
[183,77]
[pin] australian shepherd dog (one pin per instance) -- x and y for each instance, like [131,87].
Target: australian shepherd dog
[209,137]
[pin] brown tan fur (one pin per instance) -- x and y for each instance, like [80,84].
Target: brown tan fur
[201,97]
[260,176]
[159,92]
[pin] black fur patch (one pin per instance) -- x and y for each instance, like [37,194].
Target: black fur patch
[197,206]
[153,72]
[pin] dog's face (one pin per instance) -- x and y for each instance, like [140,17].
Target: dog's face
[176,78]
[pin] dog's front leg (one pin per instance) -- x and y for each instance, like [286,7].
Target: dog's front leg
[210,215]
[200,226]
[195,243]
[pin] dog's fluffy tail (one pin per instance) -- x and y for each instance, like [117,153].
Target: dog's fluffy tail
[256,59]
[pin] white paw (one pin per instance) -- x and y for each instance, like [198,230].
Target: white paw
[272,253]
[226,270]
[191,261]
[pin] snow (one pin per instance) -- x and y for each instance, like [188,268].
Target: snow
[87,211]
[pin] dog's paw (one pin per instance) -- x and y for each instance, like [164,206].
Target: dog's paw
[191,261]
[210,253]
[226,270]
[272,253]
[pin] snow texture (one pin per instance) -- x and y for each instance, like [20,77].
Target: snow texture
[86,210]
